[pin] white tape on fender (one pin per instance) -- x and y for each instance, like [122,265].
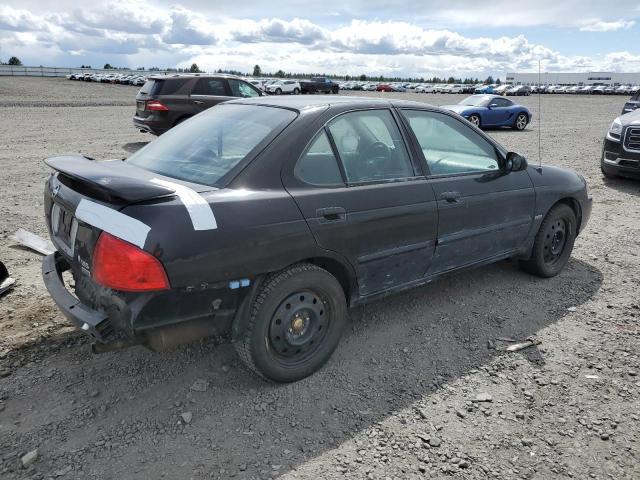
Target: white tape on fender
[113,222]
[198,208]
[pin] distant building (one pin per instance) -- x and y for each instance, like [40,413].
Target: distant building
[586,78]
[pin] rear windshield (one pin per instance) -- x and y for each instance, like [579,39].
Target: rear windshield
[208,146]
[148,86]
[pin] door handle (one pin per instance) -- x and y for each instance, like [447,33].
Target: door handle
[198,102]
[450,197]
[331,214]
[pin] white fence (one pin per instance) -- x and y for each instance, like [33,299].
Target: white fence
[22,71]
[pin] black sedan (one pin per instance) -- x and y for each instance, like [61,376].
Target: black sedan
[265,219]
[621,148]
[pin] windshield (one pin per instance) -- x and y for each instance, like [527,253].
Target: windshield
[206,147]
[476,101]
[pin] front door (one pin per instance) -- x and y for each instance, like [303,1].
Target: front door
[483,211]
[363,198]
[500,111]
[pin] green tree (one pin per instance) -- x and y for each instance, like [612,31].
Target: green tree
[489,80]
[498,81]
[14,61]
[279,74]
[363,78]
[257,71]
[107,66]
[194,68]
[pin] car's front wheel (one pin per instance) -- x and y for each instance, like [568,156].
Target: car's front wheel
[296,322]
[278,91]
[475,119]
[521,121]
[553,243]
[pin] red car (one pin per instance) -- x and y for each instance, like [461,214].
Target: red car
[384,88]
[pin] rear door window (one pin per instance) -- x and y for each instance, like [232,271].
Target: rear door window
[370,146]
[318,165]
[210,86]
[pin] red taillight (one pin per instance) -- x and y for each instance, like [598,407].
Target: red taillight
[120,265]
[156,106]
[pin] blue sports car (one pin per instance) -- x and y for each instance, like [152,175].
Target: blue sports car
[492,111]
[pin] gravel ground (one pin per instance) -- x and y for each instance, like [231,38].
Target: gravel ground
[418,388]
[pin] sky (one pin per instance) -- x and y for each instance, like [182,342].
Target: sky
[424,38]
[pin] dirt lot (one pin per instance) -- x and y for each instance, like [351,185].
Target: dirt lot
[398,398]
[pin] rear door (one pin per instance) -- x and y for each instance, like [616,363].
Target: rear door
[364,198]
[483,212]
[208,92]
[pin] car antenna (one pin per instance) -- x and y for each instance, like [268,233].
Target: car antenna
[539,120]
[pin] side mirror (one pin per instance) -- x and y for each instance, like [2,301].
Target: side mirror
[514,162]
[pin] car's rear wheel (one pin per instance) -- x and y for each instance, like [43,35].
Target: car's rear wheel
[521,121]
[296,322]
[296,91]
[475,119]
[553,243]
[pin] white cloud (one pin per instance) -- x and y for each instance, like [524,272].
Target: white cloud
[137,32]
[596,25]
[189,28]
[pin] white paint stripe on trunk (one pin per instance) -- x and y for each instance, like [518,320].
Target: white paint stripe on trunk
[199,210]
[113,222]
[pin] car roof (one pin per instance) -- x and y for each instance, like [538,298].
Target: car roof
[191,75]
[307,102]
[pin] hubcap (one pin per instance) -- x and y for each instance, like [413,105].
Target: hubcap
[554,241]
[298,326]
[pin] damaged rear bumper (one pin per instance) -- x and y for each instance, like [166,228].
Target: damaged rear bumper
[94,323]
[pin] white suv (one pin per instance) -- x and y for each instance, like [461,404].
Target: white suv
[284,86]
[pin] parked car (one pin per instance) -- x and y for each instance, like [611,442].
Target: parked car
[384,87]
[621,147]
[492,111]
[265,219]
[598,90]
[284,86]
[164,101]
[427,88]
[519,90]
[456,88]
[632,104]
[319,85]
[486,89]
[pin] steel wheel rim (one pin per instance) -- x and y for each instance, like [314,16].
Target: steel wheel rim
[555,241]
[521,122]
[298,327]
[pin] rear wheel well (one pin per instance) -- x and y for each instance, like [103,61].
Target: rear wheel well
[575,206]
[338,270]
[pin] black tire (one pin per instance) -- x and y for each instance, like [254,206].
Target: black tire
[475,119]
[553,243]
[278,91]
[302,297]
[521,121]
[296,91]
